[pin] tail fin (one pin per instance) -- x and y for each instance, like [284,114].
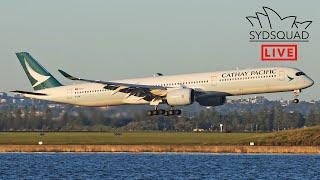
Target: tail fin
[39,77]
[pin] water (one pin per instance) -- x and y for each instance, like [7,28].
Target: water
[157,166]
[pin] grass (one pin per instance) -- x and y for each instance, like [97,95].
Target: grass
[307,136]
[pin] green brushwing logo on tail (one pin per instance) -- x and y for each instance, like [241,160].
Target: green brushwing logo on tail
[39,77]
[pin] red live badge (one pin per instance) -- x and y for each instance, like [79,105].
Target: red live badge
[279,52]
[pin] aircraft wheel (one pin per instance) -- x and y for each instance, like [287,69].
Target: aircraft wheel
[150,113]
[296,101]
[155,112]
[161,111]
[178,112]
[171,112]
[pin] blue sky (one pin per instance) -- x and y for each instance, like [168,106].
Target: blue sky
[121,39]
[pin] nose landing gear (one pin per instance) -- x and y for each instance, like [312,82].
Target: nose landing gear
[296,101]
[296,96]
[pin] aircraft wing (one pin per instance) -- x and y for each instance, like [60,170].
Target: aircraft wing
[147,92]
[29,93]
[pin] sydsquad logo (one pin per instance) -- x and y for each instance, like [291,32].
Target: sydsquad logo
[270,26]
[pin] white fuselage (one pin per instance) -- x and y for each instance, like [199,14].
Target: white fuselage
[221,83]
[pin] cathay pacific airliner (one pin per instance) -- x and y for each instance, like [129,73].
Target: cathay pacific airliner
[207,89]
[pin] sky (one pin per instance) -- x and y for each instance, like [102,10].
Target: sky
[119,39]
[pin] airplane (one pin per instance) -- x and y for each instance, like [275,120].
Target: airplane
[207,89]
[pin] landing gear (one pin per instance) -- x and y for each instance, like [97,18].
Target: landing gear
[173,112]
[296,96]
[170,112]
[156,112]
[161,111]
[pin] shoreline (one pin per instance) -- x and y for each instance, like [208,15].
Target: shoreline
[162,148]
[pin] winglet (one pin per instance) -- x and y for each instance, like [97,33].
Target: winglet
[68,75]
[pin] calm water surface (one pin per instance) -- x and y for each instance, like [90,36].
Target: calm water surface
[157,166]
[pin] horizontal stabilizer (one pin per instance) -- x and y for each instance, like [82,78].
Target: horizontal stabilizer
[30,93]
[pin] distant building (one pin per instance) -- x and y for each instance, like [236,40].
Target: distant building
[198,130]
[3,95]
[230,101]
[257,100]
[284,103]
[18,96]
[2,101]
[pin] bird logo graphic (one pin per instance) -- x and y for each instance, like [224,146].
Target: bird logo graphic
[35,75]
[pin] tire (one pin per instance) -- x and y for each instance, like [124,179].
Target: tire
[155,112]
[161,111]
[150,113]
[178,112]
[171,112]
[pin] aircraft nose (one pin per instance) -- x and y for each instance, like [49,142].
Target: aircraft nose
[309,82]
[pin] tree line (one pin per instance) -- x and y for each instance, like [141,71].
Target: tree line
[32,118]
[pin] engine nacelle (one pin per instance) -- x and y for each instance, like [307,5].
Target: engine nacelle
[209,100]
[180,97]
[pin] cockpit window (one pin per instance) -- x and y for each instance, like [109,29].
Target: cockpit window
[300,73]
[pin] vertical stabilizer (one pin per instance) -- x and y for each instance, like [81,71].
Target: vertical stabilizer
[39,77]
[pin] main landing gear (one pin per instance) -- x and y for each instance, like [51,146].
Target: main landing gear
[163,112]
[296,96]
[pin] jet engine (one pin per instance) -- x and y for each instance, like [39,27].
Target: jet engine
[209,100]
[180,97]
